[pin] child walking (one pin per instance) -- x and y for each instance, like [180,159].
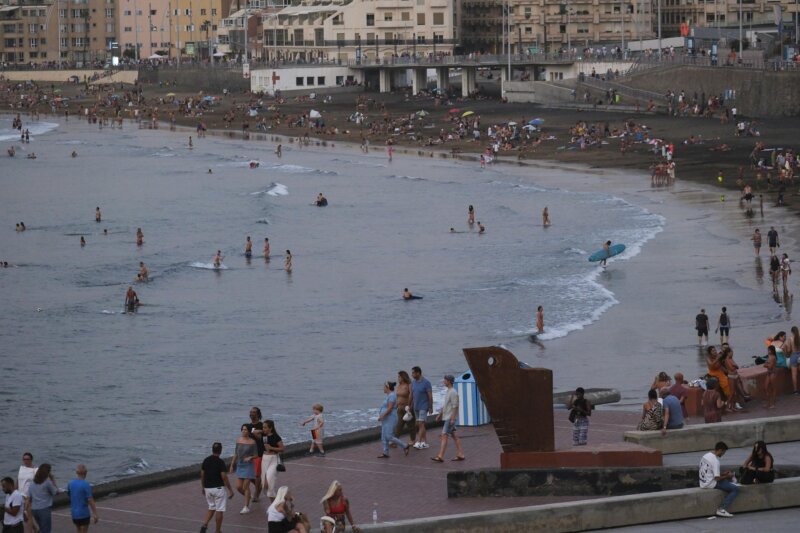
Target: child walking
[317,429]
[580,411]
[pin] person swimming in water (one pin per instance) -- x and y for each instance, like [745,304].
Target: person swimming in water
[97,216]
[248,248]
[408,296]
[607,250]
[452,230]
[139,237]
[471,217]
[287,265]
[83,241]
[131,299]
[210,171]
[144,274]
[481,227]
[254,164]
[105,231]
[217,261]
[266,247]
[74,154]
[321,200]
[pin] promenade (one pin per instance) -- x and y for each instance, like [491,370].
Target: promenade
[402,488]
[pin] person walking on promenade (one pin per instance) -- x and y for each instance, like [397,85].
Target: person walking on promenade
[786,270]
[773,240]
[712,478]
[281,517]
[336,508]
[317,429]
[214,480]
[422,399]
[404,407]
[39,500]
[448,413]
[756,238]
[701,325]
[273,447]
[13,513]
[25,475]
[83,508]
[723,326]
[580,411]
[256,428]
[242,463]
[388,419]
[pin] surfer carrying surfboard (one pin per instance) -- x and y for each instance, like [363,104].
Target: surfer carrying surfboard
[607,250]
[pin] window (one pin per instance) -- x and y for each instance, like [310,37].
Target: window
[187,12]
[340,39]
[370,19]
[110,12]
[438,38]
[213,11]
[528,30]
[203,12]
[420,19]
[562,28]
[370,38]
[421,39]
[127,29]
[309,80]
[34,55]
[139,12]
[31,28]
[527,12]
[387,37]
[298,81]
[438,19]
[33,43]
[62,13]
[387,17]
[63,42]
[152,11]
[405,16]
[320,80]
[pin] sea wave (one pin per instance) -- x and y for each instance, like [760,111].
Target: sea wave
[35,128]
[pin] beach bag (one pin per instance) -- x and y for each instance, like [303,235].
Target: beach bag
[281,467]
[573,415]
[408,417]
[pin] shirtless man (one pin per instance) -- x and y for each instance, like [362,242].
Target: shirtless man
[278,150]
[471,217]
[539,320]
[607,250]
[545,217]
[139,237]
[144,274]
[248,248]
[266,247]
[218,259]
[481,227]
[97,216]
[407,294]
[288,262]
[131,299]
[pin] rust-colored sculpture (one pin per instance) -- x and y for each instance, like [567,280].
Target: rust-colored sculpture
[519,399]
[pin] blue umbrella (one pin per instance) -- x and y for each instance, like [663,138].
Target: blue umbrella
[536,122]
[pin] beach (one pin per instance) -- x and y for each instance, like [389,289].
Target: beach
[255,335]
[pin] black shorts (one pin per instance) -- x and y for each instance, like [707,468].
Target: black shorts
[81,521]
[16,528]
[724,330]
[702,332]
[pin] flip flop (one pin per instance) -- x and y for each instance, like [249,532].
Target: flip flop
[383,456]
[406,450]
[458,459]
[437,459]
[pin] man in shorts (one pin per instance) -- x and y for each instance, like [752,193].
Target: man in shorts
[256,427]
[214,479]
[422,400]
[701,325]
[83,508]
[773,240]
[449,413]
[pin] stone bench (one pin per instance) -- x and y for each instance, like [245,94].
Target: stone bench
[736,434]
[618,511]
[754,379]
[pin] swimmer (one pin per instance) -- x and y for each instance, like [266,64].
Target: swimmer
[266,247]
[210,171]
[74,154]
[131,299]
[11,151]
[22,226]
[539,320]
[105,231]
[32,155]
[18,228]
[471,217]
[248,248]
[452,230]
[83,241]
[408,296]
[97,216]
[545,217]
[254,164]
[321,201]
[287,265]
[218,259]
[481,227]
[607,249]
[144,274]
[139,237]
[278,150]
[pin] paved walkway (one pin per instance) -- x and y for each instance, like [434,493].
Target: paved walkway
[402,487]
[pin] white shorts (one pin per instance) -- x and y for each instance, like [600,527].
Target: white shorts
[217,499]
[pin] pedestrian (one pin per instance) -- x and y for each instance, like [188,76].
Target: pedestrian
[723,326]
[405,411]
[387,416]
[422,400]
[26,473]
[287,263]
[448,413]
[712,478]
[701,325]
[82,507]
[774,272]
[242,463]
[214,480]
[580,411]
[256,428]
[281,517]
[336,507]
[539,320]
[39,499]
[317,429]
[786,270]
[773,240]
[673,412]
[273,447]
[13,513]
[545,217]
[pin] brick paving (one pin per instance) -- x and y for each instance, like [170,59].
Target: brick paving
[402,487]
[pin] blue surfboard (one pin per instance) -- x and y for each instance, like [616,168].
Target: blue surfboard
[599,255]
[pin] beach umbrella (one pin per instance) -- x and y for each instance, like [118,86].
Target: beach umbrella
[536,122]
[512,123]
[57,91]
[170,94]
[528,127]
[467,113]
[155,56]
[422,113]
[455,110]
[315,114]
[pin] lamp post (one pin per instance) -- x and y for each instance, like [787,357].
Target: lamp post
[508,36]
[740,29]
[622,14]
[660,48]
[136,24]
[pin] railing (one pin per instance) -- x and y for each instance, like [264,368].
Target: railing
[624,90]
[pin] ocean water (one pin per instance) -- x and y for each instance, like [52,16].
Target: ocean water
[131,393]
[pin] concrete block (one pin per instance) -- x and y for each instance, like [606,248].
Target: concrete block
[618,511]
[736,434]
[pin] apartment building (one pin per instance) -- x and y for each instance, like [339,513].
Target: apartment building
[146,23]
[722,13]
[536,25]
[193,27]
[312,30]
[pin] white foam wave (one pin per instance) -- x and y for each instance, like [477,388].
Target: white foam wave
[297,169]
[576,251]
[262,221]
[35,128]
[278,189]
[207,266]
[410,178]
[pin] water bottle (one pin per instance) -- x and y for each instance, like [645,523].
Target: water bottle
[375,513]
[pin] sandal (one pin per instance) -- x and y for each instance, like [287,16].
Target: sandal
[383,456]
[406,450]
[437,459]
[458,459]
